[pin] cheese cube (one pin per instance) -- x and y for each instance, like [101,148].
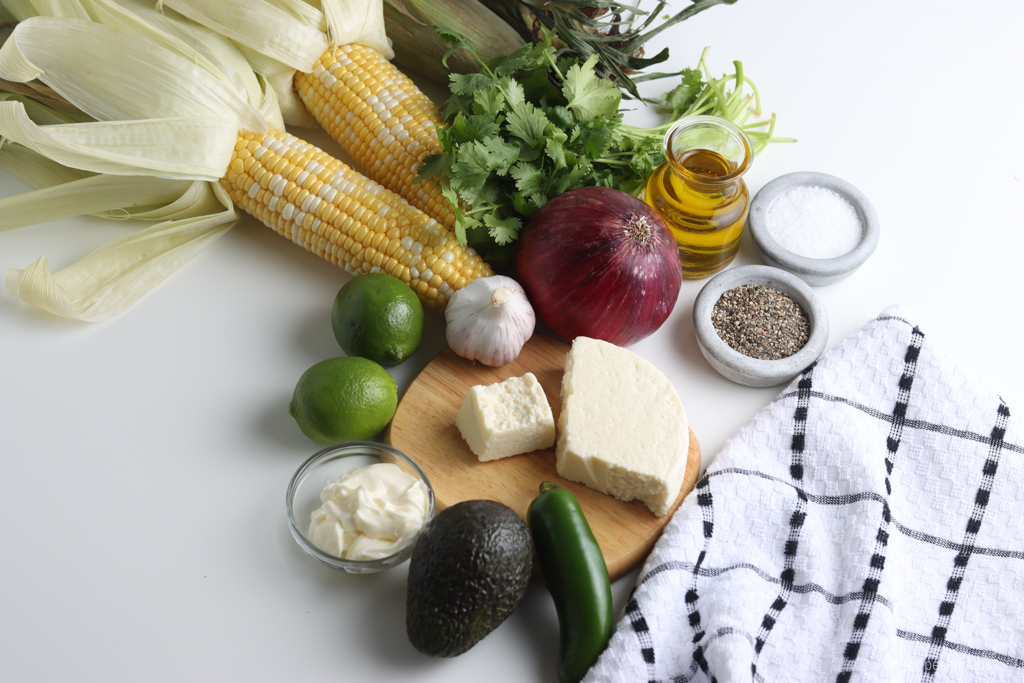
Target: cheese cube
[506,418]
[622,429]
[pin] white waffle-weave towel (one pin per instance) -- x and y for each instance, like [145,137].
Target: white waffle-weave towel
[865,526]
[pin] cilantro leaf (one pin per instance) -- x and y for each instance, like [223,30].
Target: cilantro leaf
[539,89]
[524,121]
[475,194]
[680,98]
[457,104]
[574,178]
[588,94]
[512,90]
[430,167]
[522,205]
[504,230]
[456,40]
[642,165]
[500,154]
[488,102]
[472,167]
[469,128]
[527,123]
[595,142]
[529,179]
[508,65]
[555,148]
[469,84]
[561,117]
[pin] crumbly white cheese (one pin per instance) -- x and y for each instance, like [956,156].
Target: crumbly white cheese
[506,418]
[622,429]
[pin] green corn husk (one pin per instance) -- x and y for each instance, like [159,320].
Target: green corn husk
[410,25]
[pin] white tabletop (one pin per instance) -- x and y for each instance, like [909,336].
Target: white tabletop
[143,460]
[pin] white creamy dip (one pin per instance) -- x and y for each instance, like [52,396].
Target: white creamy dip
[369,512]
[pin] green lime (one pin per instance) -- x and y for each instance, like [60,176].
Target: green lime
[379,317]
[344,399]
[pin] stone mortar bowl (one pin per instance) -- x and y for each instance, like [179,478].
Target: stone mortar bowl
[813,271]
[743,369]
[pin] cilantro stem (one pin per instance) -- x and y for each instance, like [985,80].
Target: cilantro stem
[486,208]
[554,67]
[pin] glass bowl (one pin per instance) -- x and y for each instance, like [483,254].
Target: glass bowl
[734,365]
[324,467]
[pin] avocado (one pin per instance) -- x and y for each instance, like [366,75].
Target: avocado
[469,569]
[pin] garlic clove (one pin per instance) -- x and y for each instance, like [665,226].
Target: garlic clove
[489,320]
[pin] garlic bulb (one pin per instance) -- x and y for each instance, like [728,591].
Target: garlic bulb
[489,320]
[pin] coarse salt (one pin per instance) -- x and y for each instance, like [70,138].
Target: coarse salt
[815,222]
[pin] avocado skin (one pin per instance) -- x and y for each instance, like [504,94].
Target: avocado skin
[469,569]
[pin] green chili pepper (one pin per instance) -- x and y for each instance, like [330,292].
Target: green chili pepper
[576,576]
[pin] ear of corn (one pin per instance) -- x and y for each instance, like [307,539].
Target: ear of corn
[294,188]
[374,111]
[380,118]
[340,215]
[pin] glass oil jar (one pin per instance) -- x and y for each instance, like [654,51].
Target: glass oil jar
[699,191]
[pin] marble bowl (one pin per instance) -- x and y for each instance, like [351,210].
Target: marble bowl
[813,271]
[743,369]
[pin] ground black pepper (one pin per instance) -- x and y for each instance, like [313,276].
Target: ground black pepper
[761,322]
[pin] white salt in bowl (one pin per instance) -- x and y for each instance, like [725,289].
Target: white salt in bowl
[825,235]
[742,369]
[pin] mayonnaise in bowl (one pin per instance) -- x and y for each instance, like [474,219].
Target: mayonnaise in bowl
[349,513]
[369,513]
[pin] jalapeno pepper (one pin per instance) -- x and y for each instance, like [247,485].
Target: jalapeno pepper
[576,576]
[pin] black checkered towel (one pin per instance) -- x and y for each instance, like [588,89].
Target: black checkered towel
[865,526]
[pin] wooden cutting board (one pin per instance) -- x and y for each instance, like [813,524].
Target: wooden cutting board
[424,428]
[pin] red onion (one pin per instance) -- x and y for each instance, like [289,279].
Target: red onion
[597,262]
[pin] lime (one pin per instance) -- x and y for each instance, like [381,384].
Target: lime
[344,399]
[379,317]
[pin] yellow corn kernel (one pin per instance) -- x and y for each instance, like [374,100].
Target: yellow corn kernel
[380,118]
[348,229]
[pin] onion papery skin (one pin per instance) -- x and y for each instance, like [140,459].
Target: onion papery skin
[588,274]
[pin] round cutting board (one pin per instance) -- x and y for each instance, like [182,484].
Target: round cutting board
[424,428]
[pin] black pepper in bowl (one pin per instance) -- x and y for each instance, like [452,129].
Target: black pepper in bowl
[761,322]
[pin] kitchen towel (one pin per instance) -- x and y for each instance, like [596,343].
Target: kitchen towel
[864,526]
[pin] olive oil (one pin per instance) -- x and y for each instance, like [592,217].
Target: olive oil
[699,194]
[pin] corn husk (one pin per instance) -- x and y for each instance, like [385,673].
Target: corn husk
[280,37]
[64,192]
[203,47]
[410,25]
[191,214]
[112,278]
[163,84]
[292,32]
[52,108]
[176,121]
[273,29]
[23,9]
[154,166]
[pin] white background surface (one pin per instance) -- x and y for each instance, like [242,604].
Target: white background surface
[143,461]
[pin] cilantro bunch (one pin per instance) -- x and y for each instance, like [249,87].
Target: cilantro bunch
[531,126]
